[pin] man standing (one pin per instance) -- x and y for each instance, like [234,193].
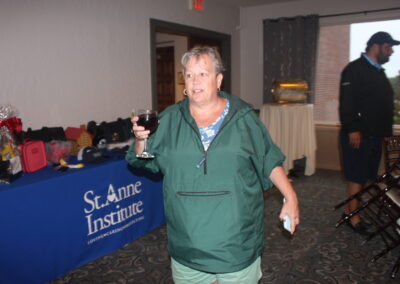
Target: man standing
[366,115]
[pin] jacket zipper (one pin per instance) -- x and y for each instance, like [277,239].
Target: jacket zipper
[203,160]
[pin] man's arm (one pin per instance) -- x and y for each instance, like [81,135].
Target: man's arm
[348,108]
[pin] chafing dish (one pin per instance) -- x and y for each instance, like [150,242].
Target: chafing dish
[290,91]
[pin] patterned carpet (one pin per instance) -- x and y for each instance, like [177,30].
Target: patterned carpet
[317,253]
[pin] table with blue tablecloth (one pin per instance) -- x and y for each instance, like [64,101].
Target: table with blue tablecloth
[52,222]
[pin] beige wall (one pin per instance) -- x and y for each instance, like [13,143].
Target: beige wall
[66,62]
[328,146]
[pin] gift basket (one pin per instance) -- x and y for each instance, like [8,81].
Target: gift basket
[10,164]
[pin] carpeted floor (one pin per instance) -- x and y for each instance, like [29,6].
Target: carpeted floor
[317,253]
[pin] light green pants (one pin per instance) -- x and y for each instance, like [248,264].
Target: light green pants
[185,275]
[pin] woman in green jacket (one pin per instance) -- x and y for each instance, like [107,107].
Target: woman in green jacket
[216,158]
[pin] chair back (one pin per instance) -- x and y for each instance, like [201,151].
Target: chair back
[391,150]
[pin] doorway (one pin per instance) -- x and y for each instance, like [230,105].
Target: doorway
[165,77]
[163,93]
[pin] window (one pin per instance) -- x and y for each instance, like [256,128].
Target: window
[337,46]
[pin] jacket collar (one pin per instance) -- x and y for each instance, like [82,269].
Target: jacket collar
[237,108]
[369,65]
[376,65]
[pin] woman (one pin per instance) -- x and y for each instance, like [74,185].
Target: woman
[216,157]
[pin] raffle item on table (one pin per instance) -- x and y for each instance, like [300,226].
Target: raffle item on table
[57,150]
[10,124]
[33,155]
[90,154]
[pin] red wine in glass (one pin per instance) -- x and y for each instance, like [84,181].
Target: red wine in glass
[149,120]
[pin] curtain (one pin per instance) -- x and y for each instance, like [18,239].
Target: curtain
[290,50]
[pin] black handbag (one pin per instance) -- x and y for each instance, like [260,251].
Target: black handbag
[45,134]
[112,132]
[126,127]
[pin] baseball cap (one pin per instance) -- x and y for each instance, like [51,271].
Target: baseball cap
[381,38]
[90,154]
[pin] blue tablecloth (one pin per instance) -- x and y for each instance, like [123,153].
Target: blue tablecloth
[52,222]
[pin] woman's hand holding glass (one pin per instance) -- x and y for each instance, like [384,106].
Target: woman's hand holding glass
[139,132]
[144,123]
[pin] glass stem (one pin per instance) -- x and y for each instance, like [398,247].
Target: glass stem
[145,146]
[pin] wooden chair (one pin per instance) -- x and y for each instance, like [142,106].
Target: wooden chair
[391,150]
[380,204]
[389,230]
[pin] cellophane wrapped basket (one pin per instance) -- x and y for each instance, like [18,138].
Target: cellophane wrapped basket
[10,162]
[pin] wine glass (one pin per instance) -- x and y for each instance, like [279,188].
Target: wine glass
[149,120]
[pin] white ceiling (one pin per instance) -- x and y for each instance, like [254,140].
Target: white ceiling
[247,3]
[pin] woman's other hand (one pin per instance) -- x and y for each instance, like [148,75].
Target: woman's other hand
[290,207]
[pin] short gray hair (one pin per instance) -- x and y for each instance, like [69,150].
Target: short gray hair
[197,51]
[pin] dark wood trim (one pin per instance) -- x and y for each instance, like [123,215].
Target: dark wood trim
[168,27]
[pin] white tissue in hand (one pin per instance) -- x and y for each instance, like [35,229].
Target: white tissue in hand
[287,223]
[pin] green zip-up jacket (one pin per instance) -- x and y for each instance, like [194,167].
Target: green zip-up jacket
[213,199]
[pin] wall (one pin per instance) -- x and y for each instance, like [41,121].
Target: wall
[333,56]
[328,146]
[66,62]
[251,32]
